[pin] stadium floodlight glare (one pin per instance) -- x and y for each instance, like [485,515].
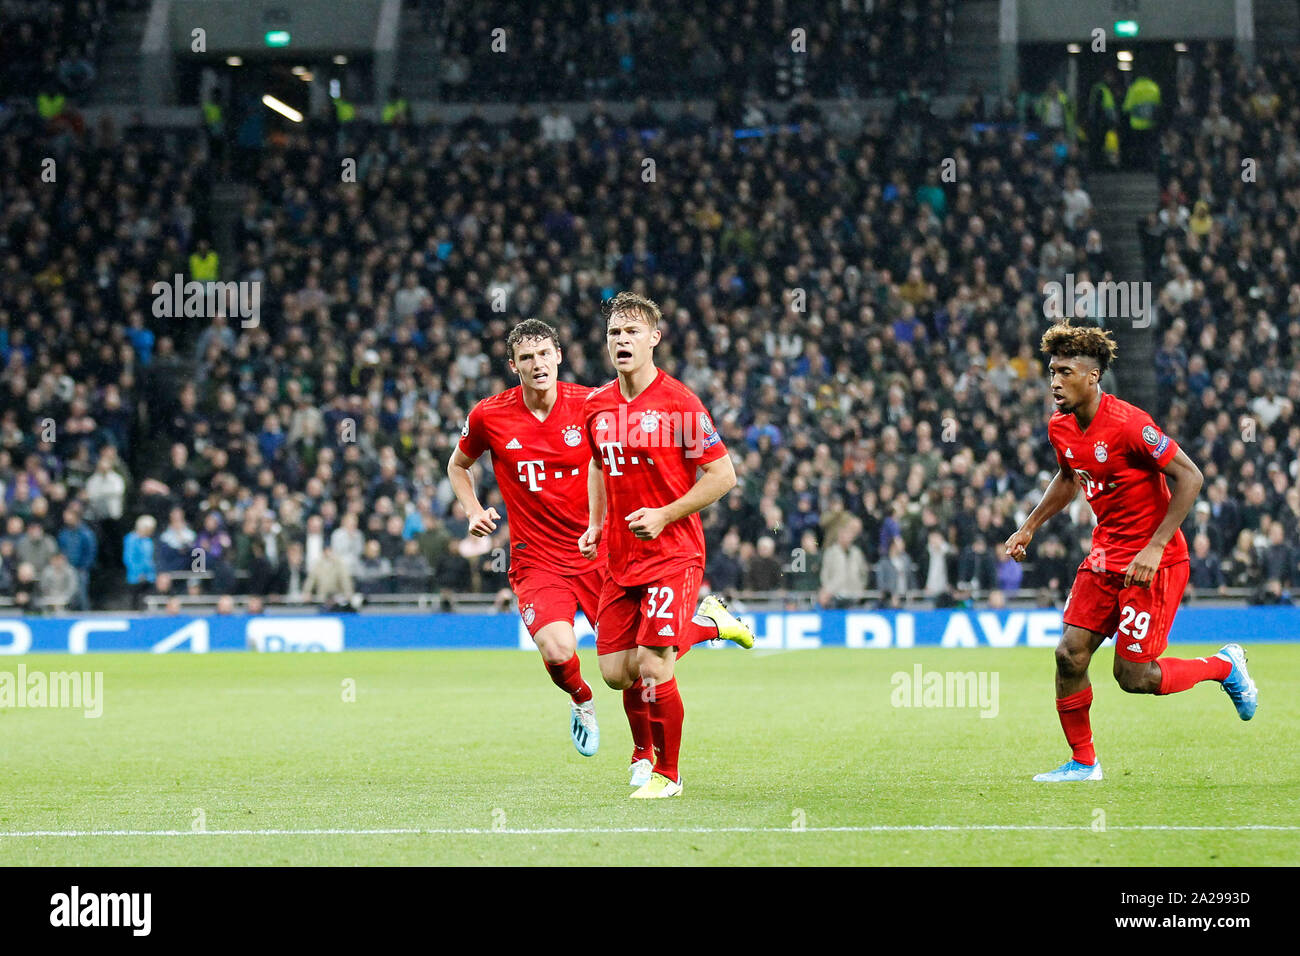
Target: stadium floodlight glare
[277,37]
[298,70]
[1180,47]
[284,109]
[1126,28]
[1073,48]
[234,61]
[1124,56]
[340,60]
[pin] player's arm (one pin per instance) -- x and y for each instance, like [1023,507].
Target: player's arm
[482,521]
[1187,485]
[715,479]
[1055,499]
[596,506]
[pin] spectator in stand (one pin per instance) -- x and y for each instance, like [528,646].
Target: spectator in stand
[329,582]
[373,570]
[77,542]
[411,570]
[36,547]
[895,574]
[844,568]
[762,571]
[348,542]
[1242,568]
[176,543]
[138,556]
[1205,573]
[58,583]
[724,568]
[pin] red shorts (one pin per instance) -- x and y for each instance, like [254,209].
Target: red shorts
[1138,617]
[546,596]
[653,615]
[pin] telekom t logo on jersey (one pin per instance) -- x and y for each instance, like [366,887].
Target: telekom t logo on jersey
[610,451]
[531,472]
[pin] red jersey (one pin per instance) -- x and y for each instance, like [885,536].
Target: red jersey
[541,469]
[649,450]
[1117,461]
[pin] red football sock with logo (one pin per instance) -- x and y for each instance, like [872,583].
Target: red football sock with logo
[697,630]
[638,720]
[1073,712]
[666,717]
[568,677]
[1178,674]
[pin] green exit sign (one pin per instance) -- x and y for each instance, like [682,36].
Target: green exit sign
[1126,28]
[277,37]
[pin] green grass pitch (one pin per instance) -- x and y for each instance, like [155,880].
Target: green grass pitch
[789,758]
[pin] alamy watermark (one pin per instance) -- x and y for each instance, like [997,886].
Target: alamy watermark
[920,688]
[1100,300]
[194,299]
[82,690]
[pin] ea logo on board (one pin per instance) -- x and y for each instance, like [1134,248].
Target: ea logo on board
[650,422]
[1100,451]
[572,435]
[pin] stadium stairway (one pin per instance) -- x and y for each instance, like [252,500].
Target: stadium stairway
[1120,199]
[119,63]
[974,54]
[417,63]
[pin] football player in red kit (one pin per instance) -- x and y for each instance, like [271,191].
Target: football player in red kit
[540,458]
[649,435]
[1132,581]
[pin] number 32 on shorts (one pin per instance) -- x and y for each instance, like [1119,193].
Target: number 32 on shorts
[659,602]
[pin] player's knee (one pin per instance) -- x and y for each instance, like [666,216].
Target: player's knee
[1071,661]
[1137,680]
[616,676]
[556,646]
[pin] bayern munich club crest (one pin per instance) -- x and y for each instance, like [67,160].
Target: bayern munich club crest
[1099,450]
[529,615]
[650,422]
[572,435]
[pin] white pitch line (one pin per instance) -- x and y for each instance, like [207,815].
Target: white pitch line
[544,831]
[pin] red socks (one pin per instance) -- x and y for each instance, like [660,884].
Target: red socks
[697,630]
[1178,675]
[568,677]
[638,719]
[666,716]
[1073,711]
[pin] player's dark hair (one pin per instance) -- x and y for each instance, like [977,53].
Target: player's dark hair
[1064,340]
[530,329]
[637,304]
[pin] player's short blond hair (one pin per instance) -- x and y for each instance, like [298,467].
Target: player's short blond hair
[643,308]
[1064,340]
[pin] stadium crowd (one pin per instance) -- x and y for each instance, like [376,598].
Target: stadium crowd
[1218,250]
[50,47]
[577,51]
[860,317]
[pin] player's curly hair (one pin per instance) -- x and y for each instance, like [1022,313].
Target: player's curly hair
[1064,340]
[530,329]
[636,304]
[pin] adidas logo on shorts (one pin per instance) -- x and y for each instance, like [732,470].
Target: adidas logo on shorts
[666,631]
[1135,647]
